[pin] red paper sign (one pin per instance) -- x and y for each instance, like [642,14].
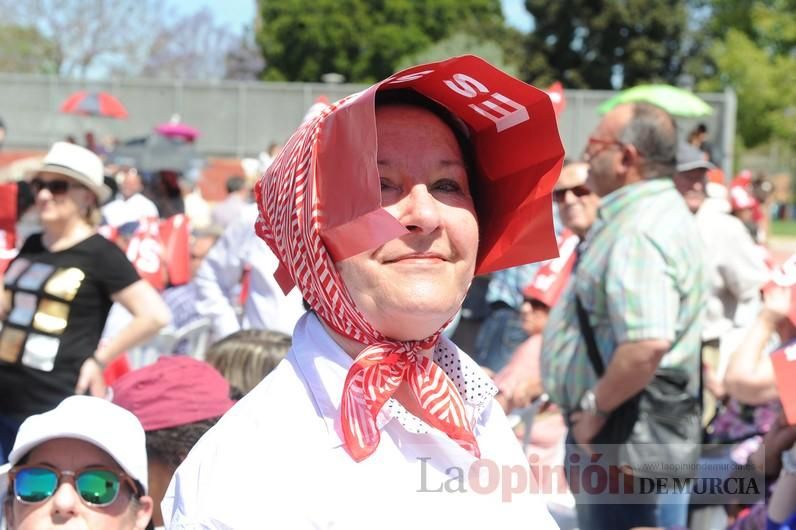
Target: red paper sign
[159,250]
[784,361]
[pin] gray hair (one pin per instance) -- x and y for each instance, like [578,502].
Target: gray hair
[654,134]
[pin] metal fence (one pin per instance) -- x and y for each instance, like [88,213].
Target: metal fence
[243,118]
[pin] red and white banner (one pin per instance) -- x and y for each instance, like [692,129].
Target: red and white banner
[159,249]
[552,277]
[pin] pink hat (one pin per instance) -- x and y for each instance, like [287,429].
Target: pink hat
[174,391]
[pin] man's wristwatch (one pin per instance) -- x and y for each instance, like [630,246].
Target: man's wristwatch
[588,403]
[788,463]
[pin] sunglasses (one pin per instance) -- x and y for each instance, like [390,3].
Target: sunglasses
[98,487]
[577,191]
[56,187]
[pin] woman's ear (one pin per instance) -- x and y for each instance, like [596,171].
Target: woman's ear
[144,512]
[8,511]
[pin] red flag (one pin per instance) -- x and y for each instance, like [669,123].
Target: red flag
[552,277]
[8,224]
[145,252]
[175,236]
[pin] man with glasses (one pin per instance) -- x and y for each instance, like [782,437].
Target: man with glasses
[640,282]
[577,210]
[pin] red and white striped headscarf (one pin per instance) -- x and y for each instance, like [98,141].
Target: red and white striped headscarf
[309,227]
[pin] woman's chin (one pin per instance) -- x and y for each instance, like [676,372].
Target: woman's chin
[415,324]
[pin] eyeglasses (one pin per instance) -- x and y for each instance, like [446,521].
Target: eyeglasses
[604,143]
[97,487]
[56,187]
[578,191]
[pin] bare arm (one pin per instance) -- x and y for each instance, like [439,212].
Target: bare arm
[149,314]
[630,370]
[750,374]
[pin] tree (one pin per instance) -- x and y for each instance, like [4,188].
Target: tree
[754,50]
[461,43]
[25,50]
[124,37]
[191,47]
[605,44]
[244,61]
[364,40]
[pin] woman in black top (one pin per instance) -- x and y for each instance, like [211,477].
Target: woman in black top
[58,292]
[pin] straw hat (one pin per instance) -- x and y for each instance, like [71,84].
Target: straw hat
[77,163]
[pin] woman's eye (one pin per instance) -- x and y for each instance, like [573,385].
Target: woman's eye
[447,185]
[387,185]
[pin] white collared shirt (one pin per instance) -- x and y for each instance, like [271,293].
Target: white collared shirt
[219,277]
[276,460]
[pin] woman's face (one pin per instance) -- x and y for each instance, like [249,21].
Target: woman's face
[62,205]
[65,509]
[534,316]
[410,286]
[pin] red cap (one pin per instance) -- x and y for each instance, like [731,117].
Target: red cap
[741,199]
[174,391]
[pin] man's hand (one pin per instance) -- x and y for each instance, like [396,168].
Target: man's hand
[91,379]
[585,427]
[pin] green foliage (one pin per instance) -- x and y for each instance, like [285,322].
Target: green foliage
[25,50]
[364,40]
[755,57]
[461,43]
[588,44]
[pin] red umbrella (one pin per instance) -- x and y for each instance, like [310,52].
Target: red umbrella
[177,130]
[94,104]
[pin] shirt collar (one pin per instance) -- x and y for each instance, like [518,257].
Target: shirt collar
[324,366]
[617,201]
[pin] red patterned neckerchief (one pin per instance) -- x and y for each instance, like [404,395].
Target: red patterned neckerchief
[290,223]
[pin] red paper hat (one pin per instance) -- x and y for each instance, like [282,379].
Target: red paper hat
[518,154]
[549,282]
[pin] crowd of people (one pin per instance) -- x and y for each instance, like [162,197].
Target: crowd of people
[165,362]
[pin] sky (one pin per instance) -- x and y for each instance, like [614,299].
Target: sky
[239,13]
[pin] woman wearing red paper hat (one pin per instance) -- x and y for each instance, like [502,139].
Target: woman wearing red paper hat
[381,218]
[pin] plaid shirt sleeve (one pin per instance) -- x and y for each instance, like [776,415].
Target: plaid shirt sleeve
[643,298]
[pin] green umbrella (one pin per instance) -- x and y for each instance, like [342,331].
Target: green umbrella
[675,101]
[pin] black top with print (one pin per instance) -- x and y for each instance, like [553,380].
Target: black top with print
[58,303]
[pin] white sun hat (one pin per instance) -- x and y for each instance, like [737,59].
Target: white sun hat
[77,163]
[91,419]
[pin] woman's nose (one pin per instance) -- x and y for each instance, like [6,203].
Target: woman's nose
[419,210]
[65,500]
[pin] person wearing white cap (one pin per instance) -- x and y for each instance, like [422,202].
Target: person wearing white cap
[735,269]
[59,290]
[82,464]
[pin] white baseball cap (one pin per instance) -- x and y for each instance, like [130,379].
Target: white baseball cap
[80,164]
[91,419]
